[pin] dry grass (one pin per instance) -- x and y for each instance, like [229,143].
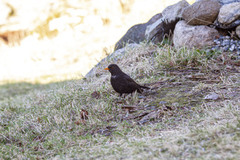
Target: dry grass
[86,119]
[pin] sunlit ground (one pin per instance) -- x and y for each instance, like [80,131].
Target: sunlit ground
[79,45]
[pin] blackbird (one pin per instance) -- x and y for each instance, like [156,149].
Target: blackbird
[121,82]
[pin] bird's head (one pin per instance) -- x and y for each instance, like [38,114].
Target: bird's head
[113,69]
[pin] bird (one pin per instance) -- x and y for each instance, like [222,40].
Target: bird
[121,82]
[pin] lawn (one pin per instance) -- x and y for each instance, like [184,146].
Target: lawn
[86,119]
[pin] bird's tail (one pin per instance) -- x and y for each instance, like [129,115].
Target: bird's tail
[144,87]
[140,89]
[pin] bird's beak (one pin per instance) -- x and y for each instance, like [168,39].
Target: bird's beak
[106,68]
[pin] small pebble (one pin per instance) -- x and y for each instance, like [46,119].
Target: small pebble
[225,49]
[232,48]
[162,102]
[225,43]
[141,97]
[211,96]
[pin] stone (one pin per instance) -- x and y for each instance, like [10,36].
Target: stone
[136,33]
[157,30]
[211,96]
[238,31]
[229,13]
[226,27]
[226,42]
[170,16]
[114,57]
[223,2]
[174,12]
[194,36]
[225,48]
[232,48]
[154,18]
[203,12]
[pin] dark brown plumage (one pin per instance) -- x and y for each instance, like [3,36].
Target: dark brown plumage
[121,82]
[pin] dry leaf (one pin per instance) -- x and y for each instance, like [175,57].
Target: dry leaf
[78,122]
[149,116]
[84,114]
[130,108]
[96,94]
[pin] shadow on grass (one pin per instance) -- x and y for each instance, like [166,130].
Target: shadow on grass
[12,89]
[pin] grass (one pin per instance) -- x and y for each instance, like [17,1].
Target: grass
[86,119]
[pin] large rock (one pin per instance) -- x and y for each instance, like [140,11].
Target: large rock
[174,12]
[238,31]
[203,12]
[229,13]
[136,33]
[223,2]
[170,16]
[114,57]
[193,36]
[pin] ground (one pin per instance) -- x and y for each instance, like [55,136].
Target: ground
[87,119]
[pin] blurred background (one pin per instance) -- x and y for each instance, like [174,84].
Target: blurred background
[53,40]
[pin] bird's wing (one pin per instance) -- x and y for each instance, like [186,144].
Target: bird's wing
[133,83]
[130,81]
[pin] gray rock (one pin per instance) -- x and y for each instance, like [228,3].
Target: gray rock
[225,48]
[238,31]
[154,18]
[157,30]
[114,57]
[217,41]
[223,2]
[194,36]
[227,37]
[136,33]
[211,96]
[174,12]
[227,26]
[229,13]
[170,16]
[225,42]
[215,48]
[203,12]
[232,48]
